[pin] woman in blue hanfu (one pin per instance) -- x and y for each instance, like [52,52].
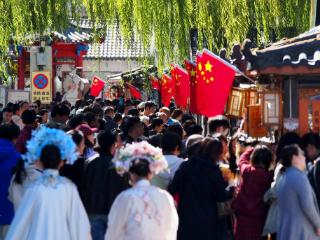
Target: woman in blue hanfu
[51,208]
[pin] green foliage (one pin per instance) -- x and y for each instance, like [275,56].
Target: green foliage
[164,22]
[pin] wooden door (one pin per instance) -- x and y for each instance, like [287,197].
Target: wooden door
[309,110]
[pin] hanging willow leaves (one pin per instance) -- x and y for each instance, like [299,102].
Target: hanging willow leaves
[164,24]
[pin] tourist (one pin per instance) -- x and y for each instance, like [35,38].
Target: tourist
[200,186]
[156,126]
[171,147]
[91,119]
[24,106]
[149,108]
[299,212]
[51,207]
[167,120]
[58,117]
[177,115]
[133,129]
[256,179]
[311,147]
[29,118]
[117,119]
[89,140]
[108,118]
[219,124]
[7,114]
[44,113]
[8,160]
[16,117]
[101,184]
[74,171]
[144,211]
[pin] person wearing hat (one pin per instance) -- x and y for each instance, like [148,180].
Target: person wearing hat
[89,140]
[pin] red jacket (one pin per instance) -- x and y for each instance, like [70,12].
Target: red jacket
[24,136]
[249,207]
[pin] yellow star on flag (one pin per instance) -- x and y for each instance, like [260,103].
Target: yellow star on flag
[193,73]
[200,66]
[208,66]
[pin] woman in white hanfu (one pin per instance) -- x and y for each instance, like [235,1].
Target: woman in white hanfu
[143,212]
[51,208]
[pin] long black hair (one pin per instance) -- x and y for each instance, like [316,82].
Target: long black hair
[211,148]
[20,172]
[287,154]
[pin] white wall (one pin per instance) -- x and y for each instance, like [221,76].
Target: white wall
[104,68]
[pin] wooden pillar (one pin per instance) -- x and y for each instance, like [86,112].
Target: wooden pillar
[290,100]
[21,69]
[79,59]
[53,73]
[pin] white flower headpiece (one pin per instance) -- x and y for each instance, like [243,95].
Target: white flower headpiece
[142,150]
[49,136]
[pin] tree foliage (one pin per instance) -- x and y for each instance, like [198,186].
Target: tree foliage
[166,23]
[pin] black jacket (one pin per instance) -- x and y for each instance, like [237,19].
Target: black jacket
[100,185]
[314,178]
[110,124]
[73,172]
[200,185]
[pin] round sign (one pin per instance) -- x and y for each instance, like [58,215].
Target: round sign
[40,81]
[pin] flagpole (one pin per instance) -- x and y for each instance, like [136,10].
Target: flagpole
[248,78]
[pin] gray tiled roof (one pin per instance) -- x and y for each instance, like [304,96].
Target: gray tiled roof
[112,47]
[83,23]
[303,50]
[73,36]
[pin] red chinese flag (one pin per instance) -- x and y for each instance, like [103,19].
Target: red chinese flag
[167,89]
[96,86]
[154,83]
[215,77]
[191,67]
[182,93]
[134,91]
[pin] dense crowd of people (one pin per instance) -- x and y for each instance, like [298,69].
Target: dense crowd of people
[117,170]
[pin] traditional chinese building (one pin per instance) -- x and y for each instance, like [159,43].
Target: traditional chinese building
[288,71]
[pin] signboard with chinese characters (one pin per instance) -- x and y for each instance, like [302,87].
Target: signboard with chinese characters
[315,116]
[15,96]
[41,87]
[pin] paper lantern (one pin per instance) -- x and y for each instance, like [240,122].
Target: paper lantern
[271,108]
[252,97]
[235,102]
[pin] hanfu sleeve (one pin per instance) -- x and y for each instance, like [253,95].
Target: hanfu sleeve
[171,218]
[117,218]
[20,225]
[78,221]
